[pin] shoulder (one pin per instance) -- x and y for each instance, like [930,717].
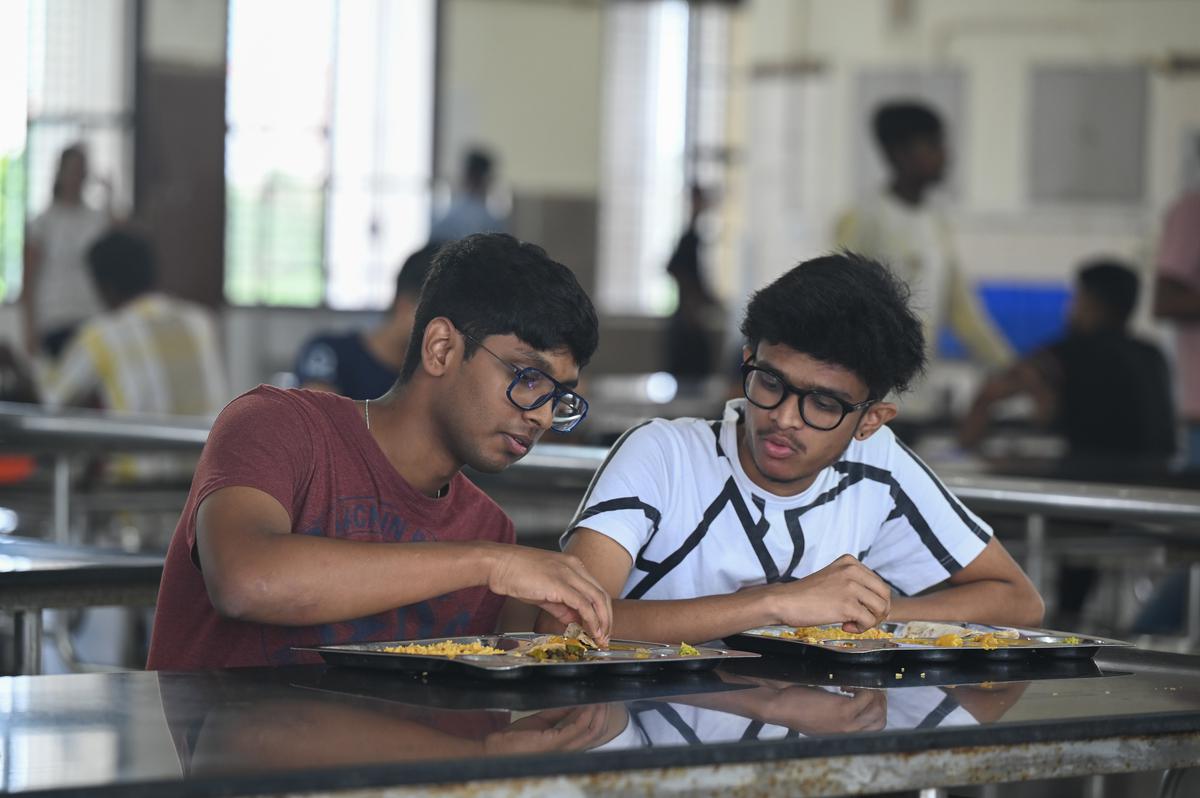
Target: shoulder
[676,435]
[270,405]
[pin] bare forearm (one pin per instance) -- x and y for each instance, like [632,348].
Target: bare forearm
[690,620]
[294,580]
[991,601]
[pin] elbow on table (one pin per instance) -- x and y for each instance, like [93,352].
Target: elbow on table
[1028,607]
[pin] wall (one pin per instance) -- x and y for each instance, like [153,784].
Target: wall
[1002,234]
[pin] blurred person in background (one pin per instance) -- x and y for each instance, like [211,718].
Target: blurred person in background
[1177,299]
[1106,391]
[56,292]
[365,365]
[468,212]
[689,342]
[905,228]
[148,353]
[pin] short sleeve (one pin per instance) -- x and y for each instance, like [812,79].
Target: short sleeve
[929,535]
[628,496]
[1179,249]
[260,441]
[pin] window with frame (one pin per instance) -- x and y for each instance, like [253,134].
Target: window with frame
[666,86]
[328,161]
[71,82]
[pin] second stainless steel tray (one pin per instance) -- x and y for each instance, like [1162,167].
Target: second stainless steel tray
[1030,642]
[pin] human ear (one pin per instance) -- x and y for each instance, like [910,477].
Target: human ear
[873,418]
[439,346]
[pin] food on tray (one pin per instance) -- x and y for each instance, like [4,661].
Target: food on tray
[688,651]
[949,640]
[815,634]
[571,646]
[447,648]
[1072,640]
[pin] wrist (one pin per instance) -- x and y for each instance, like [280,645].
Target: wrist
[484,558]
[767,606]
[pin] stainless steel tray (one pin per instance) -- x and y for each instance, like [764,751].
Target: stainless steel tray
[621,658]
[1031,642]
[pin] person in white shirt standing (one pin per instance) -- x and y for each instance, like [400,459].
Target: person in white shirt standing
[56,292]
[904,227]
[800,507]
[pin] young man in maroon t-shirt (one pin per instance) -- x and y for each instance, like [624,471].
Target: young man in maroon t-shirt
[306,511]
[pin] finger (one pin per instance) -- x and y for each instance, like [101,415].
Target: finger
[574,594]
[599,605]
[872,581]
[561,612]
[875,604]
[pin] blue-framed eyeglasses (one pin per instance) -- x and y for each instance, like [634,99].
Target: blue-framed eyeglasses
[531,388]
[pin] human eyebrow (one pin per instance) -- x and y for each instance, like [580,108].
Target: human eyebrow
[825,389]
[539,362]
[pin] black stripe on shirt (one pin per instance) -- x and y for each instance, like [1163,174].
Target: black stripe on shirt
[655,571]
[599,471]
[907,508]
[939,713]
[950,498]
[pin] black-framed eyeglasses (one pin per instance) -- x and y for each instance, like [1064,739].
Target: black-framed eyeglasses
[768,389]
[531,388]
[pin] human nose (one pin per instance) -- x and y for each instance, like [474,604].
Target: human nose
[541,416]
[787,414]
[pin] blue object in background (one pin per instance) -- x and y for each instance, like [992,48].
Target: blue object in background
[1027,314]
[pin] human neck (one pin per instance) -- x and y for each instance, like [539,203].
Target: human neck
[387,343]
[401,425]
[909,192]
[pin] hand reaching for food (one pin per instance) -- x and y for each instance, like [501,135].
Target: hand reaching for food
[845,592]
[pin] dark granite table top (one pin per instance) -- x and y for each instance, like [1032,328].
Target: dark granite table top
[313,728]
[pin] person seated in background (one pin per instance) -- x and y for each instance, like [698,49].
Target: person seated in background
[904,227]
[1106,391]
[148,353]
[365,365]
[302,524]
[800,507]
[468,212]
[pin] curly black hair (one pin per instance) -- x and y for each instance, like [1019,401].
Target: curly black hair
[844,309]
[493,284]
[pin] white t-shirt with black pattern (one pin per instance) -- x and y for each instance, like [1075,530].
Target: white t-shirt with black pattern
[674,495]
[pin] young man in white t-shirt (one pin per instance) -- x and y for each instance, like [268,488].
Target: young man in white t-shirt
[799,507]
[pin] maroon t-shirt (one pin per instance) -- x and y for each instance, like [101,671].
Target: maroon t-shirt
[313,454]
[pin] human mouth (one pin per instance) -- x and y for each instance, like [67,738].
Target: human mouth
[518,445]
[778,446]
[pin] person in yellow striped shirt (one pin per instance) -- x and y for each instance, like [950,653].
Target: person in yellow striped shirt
[148,353]
[902,227]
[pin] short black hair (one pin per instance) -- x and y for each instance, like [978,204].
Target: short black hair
[844,309]
[122,263]
[412,274]
[896,124]
[1114,284]
[493,284]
